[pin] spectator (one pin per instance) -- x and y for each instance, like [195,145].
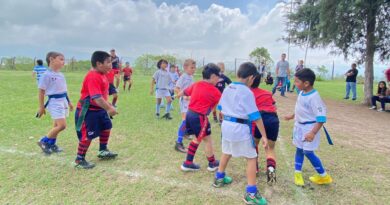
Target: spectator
[351,81]
[382,96]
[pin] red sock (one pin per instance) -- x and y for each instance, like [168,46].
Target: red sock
[211,159]
[271,162]
[192,147]
[82,149]
[103,139]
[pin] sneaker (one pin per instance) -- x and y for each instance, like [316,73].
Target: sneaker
[45,147]
[222,182]
[107,154]
[167,116]
[180,147]
[83,164]
[271,175]
[56,149]
[157,115]
[213,166]
[256,199]
[190,167]
[318,179]
[215,119]
[372,108]
[346,98]
[381,110]
[354,99]
[298,179]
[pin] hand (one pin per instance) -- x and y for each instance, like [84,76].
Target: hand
[264,141]
[309,136]
[112,111]
[151,92]
[288,117]
[70,107]
[41,112]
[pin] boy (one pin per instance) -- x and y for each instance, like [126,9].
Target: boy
[127,73]
[111,88]
[183,83]
[38,70]
[172,85]
[93,111]
[238,107]
[310,115]
[162,79]
[223,80]
[204,97]
[116,67]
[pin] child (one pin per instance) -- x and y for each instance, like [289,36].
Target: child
[116,67]
[183,83]
[127,73]
[238,107]
[266,106]
[204,97]
[269,80]
[93,111]
[223,80]
[53,85]
[310,115]
[111,88]
[382,97]
[162,79]
[174,77]
[39,70]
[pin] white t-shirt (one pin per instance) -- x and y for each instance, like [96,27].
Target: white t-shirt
[162,78]
[310,108]
[184,81]
[237,101]
[53,83]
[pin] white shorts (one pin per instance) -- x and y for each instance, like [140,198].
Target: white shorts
[184,105]
[299,133]
[240,148]
[58,108]
[161,93]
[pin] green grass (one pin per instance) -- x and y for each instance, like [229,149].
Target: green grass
[147,169]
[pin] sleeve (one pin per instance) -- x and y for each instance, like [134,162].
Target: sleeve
[94,88]
[227,80]
[179,83]
[319,109]
[249,104]
[188,91]
[155,76]
[43,82]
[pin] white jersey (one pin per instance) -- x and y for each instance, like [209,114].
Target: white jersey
[53,83]
[237,101]
[163,79]
[183,83]
[309,108]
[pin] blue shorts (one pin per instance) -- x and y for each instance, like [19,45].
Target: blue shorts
[195,122]
[95,121]
[271,125]
[111,89]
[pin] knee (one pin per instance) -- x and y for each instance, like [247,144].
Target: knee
[61,127]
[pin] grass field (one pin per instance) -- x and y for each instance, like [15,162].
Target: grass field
[147,169]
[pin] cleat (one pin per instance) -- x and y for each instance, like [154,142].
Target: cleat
[83,164]
[318,179]
[180,147]
[298,179]
[107,154]
[54,148]
[167,116]
[222,182]
[271,175]
[256,199]
[45,147]
[190,167]
[213,166]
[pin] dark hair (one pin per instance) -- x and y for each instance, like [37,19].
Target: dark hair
[306,74]
[382,91]
[210,69]
[161,62]
[52,54]
[247,69]
[99,56]
[256,81]
[40,62]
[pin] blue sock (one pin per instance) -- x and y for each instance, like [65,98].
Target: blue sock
[252,189]
[158,108]
[168,108]
[299,157]
[51,141]
[219,175]
[181,131]
[44,139]
[315,161]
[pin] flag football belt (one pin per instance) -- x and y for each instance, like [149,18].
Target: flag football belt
[84,108]
[56,96]
[330,142]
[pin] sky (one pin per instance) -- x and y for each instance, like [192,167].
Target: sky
[222,30]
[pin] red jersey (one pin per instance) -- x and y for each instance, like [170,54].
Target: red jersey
[111,75]
[204,97]
[127,71]
[387,73]
[95,85]
[264,100]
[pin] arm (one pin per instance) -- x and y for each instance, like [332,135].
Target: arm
[152,86]
[310,136]
[289,117]
[106,106]
[33,74]
[41,98]
[277,70]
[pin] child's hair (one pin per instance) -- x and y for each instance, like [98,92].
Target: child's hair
[247,69]
[99,56]
[306,74]
[52,54]
[189,61]
[256,81]
[40,62]
[127,63]
[172,66]
[382,91]
[161,62]
[210,69]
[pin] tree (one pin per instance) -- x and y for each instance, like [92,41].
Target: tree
[354,28]
[322,71]
[148,62]
[261,55]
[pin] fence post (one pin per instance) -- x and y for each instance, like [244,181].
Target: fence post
[235,65]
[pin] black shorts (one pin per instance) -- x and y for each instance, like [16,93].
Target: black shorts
[111,89]
[271,125]
[126,78]
[95,121]
[194,124]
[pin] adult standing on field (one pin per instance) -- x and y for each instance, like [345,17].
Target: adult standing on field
[115,67]
[282,73]
[351,81]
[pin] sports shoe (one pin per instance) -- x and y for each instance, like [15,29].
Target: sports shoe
[372,108]
[256,199]
[106,154]
[190,167]
[271,175]
[157,115]
[180,147]
[167,116]
[222,182]
[55,148]
[83,164]
[354,99]
[213,166]
[45,147]
[318,179]
[346,98]
[298,179]
[381,110]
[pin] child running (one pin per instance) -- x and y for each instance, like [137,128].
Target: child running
[111,88]
[204,97]
[53,85]
[93,111]
[39,70]
[127,73]
[223,81]
[238,107]
[310,115]
[183,83]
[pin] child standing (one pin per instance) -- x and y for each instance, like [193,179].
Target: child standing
[183,83]
[310,115]
[266,106]
[127,73]
[53,85]
[162,79]
[111,88]
[172,85]
[223,81]
[238,107]
[93,111]
[204,97]
[39,70]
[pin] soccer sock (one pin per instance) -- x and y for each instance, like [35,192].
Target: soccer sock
[44,139]
[158,108]
[271,162]
[251,189]
[168,107]
[316,162]
[51,141]
[299,157]
[219,175]
[211,159]
[220,117]
[82,149]
[192,147]
[103,139]
[181,131]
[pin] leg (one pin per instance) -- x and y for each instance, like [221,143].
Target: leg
[84,143]
[104,153]
[130,83]
[251,171]
[275,85]
[315,161]
[299,157]
[114,99]
[189,164]
[117,80]
[353,85]
[220,176]
[373,101]
[347,89]
[215,115]
[158,104]
[252,195]
[180,134]
[283,80]
[59,125]
[169,103]
[124,85]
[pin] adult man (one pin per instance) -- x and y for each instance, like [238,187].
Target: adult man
[282,73]
[351,81]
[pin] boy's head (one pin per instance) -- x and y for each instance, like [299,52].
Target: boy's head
[162,64]
[354,65]
[300,62]
[127,64]
[101,61]
[221,66]
[172,68]
[283,56]
[189,66]
[39,62]
[55,60]
[247,73]
[304,79]
[211,73]
[112,52]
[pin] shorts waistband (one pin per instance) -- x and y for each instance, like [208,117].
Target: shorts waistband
[236,120]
